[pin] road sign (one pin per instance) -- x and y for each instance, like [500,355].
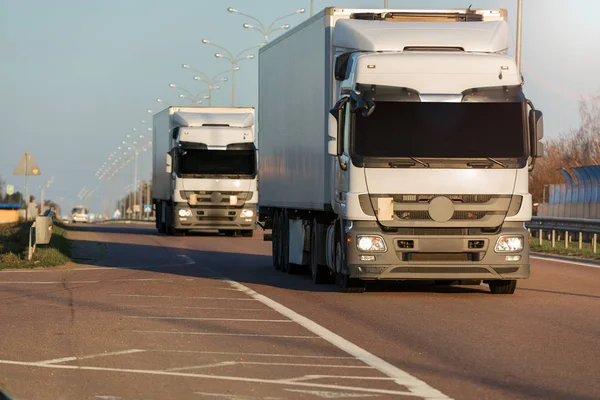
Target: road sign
[27,166]
[129,211]
[136,208]
[10,189]
[147,208]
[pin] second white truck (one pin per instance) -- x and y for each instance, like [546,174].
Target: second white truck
[205,170]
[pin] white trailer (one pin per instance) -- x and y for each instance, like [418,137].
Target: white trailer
[204,170]
[396,144]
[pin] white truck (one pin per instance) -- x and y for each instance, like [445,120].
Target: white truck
[396,144]
[205,170]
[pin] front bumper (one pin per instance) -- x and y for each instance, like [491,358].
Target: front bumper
[437,257]
[220,217]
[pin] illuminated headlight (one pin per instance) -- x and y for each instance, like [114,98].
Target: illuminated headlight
[370,243]
[185,212]
[509,243]
[246,214]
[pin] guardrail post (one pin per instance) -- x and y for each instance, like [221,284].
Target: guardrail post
[541,235]
[566,239]
[580,240]
[595,241]
[553,238]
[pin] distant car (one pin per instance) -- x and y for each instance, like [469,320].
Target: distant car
[80,214]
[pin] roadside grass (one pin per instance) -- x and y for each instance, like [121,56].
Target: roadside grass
[14,239]
[559,248]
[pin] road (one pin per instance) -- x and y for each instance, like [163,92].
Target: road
[145,316]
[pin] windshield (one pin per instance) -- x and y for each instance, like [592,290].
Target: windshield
[79,210]
[441,130]
[217,162]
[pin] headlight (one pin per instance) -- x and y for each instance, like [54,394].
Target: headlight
[185,212]
[370,243]
[509,243]
[246,214]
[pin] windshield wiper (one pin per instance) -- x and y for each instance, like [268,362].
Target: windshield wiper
[406,163]
[484,164]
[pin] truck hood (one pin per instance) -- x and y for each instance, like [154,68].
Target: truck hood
[463,197]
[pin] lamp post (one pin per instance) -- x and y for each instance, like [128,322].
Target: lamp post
[262,28]
[211,82]
[43,188]
[136,151]
[194,98]
[234,60]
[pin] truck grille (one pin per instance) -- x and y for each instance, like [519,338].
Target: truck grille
[205,197]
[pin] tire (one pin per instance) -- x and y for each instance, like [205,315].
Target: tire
[344,281]
[275,243]
[319,273]
[248,233]
[503,287]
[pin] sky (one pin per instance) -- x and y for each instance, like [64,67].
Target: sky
[77,76]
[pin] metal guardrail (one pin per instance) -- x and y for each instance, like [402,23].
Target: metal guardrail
[552,225]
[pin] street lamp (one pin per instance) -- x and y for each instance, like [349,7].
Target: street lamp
[211,82]
[234,60]
[266,30]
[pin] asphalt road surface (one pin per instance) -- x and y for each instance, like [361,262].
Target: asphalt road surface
[146,316]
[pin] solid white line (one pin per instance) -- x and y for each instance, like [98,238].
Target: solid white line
[311,377]
[236,396]
[43,282]
[229,334]
[254,354]
[179,297]
[331,395]
[209,319]
[66,359]
[274,363]
[558,260]
[219,364]
[195,308]
[206,376]
[416,386]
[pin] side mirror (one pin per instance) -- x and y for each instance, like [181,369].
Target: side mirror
[332,147]
[332,124]
[169,161]
[536,132]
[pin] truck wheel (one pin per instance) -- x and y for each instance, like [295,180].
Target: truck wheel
[275,243]
[503,287]
[320,273]
[248,233]
[344,281]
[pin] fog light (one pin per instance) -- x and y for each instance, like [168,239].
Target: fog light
[512,258]
[367,258]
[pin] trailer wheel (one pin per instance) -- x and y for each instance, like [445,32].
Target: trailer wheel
[320,273]
[503,287]
[275,243]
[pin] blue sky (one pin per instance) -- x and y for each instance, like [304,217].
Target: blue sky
[77,76]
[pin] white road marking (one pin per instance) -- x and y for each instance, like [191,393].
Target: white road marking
[416,386]
[67,359]
[331,395]
[208,319]
[207,376]
[558,260]
[183,298]
[43,282]
[229,334]
[195,308]
[237,397]
[272,364]
[227,353]
[312,377]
